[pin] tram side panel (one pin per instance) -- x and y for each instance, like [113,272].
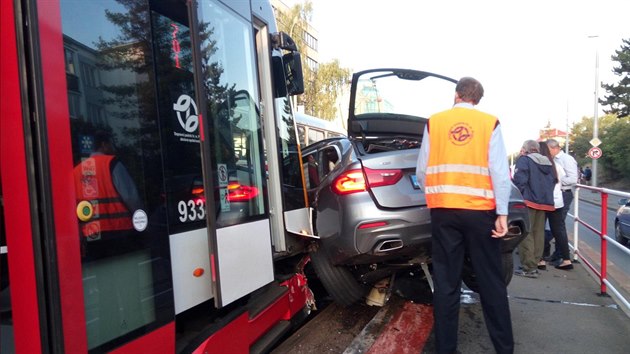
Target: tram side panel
[141,212]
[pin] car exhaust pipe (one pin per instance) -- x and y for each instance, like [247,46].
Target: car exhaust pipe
[388,245]
[514,230]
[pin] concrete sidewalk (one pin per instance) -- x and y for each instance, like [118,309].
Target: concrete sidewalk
[558,312]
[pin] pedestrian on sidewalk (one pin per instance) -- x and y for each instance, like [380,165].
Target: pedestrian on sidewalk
[556,218]
[467,183]
[587,175]
[568,182]
[535,178]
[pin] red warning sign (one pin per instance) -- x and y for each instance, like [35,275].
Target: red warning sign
[594,152]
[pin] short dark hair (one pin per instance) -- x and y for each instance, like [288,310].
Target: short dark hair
[469,90]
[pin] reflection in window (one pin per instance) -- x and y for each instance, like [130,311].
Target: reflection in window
[302,135]
[232,93]
[292,174]
[127,285]
[69,61]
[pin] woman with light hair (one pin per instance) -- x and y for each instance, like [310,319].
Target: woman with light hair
[535,178]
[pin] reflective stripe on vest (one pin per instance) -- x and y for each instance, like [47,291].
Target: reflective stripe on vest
[457,173]
[94,183]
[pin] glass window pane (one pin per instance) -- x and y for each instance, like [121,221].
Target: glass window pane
[118,170]
[232,96]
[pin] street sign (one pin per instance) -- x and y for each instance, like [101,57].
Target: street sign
[595,142]
[594,152]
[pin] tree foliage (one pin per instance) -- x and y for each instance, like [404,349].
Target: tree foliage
[618,95]
[330,80]
[324,85]
[614,133]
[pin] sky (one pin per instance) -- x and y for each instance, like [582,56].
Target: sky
[534,58]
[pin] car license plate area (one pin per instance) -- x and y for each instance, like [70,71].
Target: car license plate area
[414,181]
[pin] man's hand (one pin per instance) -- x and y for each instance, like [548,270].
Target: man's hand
[500,226]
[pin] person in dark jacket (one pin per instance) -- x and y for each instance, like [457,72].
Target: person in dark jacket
[534,177]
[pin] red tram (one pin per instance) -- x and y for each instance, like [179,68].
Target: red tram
[152,191]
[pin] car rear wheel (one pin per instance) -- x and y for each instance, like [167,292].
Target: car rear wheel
[619,236]
[338,281]
[470,278]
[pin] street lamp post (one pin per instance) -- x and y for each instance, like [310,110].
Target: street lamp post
[595,116]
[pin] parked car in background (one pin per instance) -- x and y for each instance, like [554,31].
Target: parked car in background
[622,222]
[370,213]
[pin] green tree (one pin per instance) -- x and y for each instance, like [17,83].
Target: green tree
[618,95]
[323,85]
[617,149]
[330,81]
[614,133]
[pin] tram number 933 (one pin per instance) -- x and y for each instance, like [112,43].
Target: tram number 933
[191,210]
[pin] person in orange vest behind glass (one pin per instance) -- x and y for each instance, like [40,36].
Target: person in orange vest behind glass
[464,171]
[106,194]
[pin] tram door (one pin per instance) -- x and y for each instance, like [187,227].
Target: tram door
[240,240]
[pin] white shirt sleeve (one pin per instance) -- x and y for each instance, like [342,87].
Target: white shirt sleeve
[499,171]
[423,158]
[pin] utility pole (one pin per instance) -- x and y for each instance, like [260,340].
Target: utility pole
[596,105]
[566,145]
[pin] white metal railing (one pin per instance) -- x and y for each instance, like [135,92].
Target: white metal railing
[603,234]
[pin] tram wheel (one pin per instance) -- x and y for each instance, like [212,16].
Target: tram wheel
[338,281]
[470,278]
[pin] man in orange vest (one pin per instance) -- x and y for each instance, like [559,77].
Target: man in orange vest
[106,193]
[464,170]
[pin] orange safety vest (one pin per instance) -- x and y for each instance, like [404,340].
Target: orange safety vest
[457,173]
[93,183]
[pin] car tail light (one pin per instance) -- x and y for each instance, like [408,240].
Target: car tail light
[349,182]
[371,225]
[197,193]
[239,193]
[354,180]
[378,178]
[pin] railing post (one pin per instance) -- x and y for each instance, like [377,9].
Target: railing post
[576,202]
[604,242]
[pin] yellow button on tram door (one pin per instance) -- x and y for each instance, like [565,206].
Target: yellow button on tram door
[85,210]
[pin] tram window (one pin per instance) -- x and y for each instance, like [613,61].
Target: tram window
[293,196]
[179,120]
[233,115]
[302,134]
[118,172]
[314,135]
[6,318]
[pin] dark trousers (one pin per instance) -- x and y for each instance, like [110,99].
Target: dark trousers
[567,199]
[455,233]
[559,232]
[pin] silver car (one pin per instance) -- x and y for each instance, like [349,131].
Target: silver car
[370,213]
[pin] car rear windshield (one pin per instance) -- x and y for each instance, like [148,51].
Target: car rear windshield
[402,92]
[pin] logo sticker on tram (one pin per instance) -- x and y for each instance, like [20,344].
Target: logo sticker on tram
[140,220]
[188,118]
[225,202]
[222,174]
